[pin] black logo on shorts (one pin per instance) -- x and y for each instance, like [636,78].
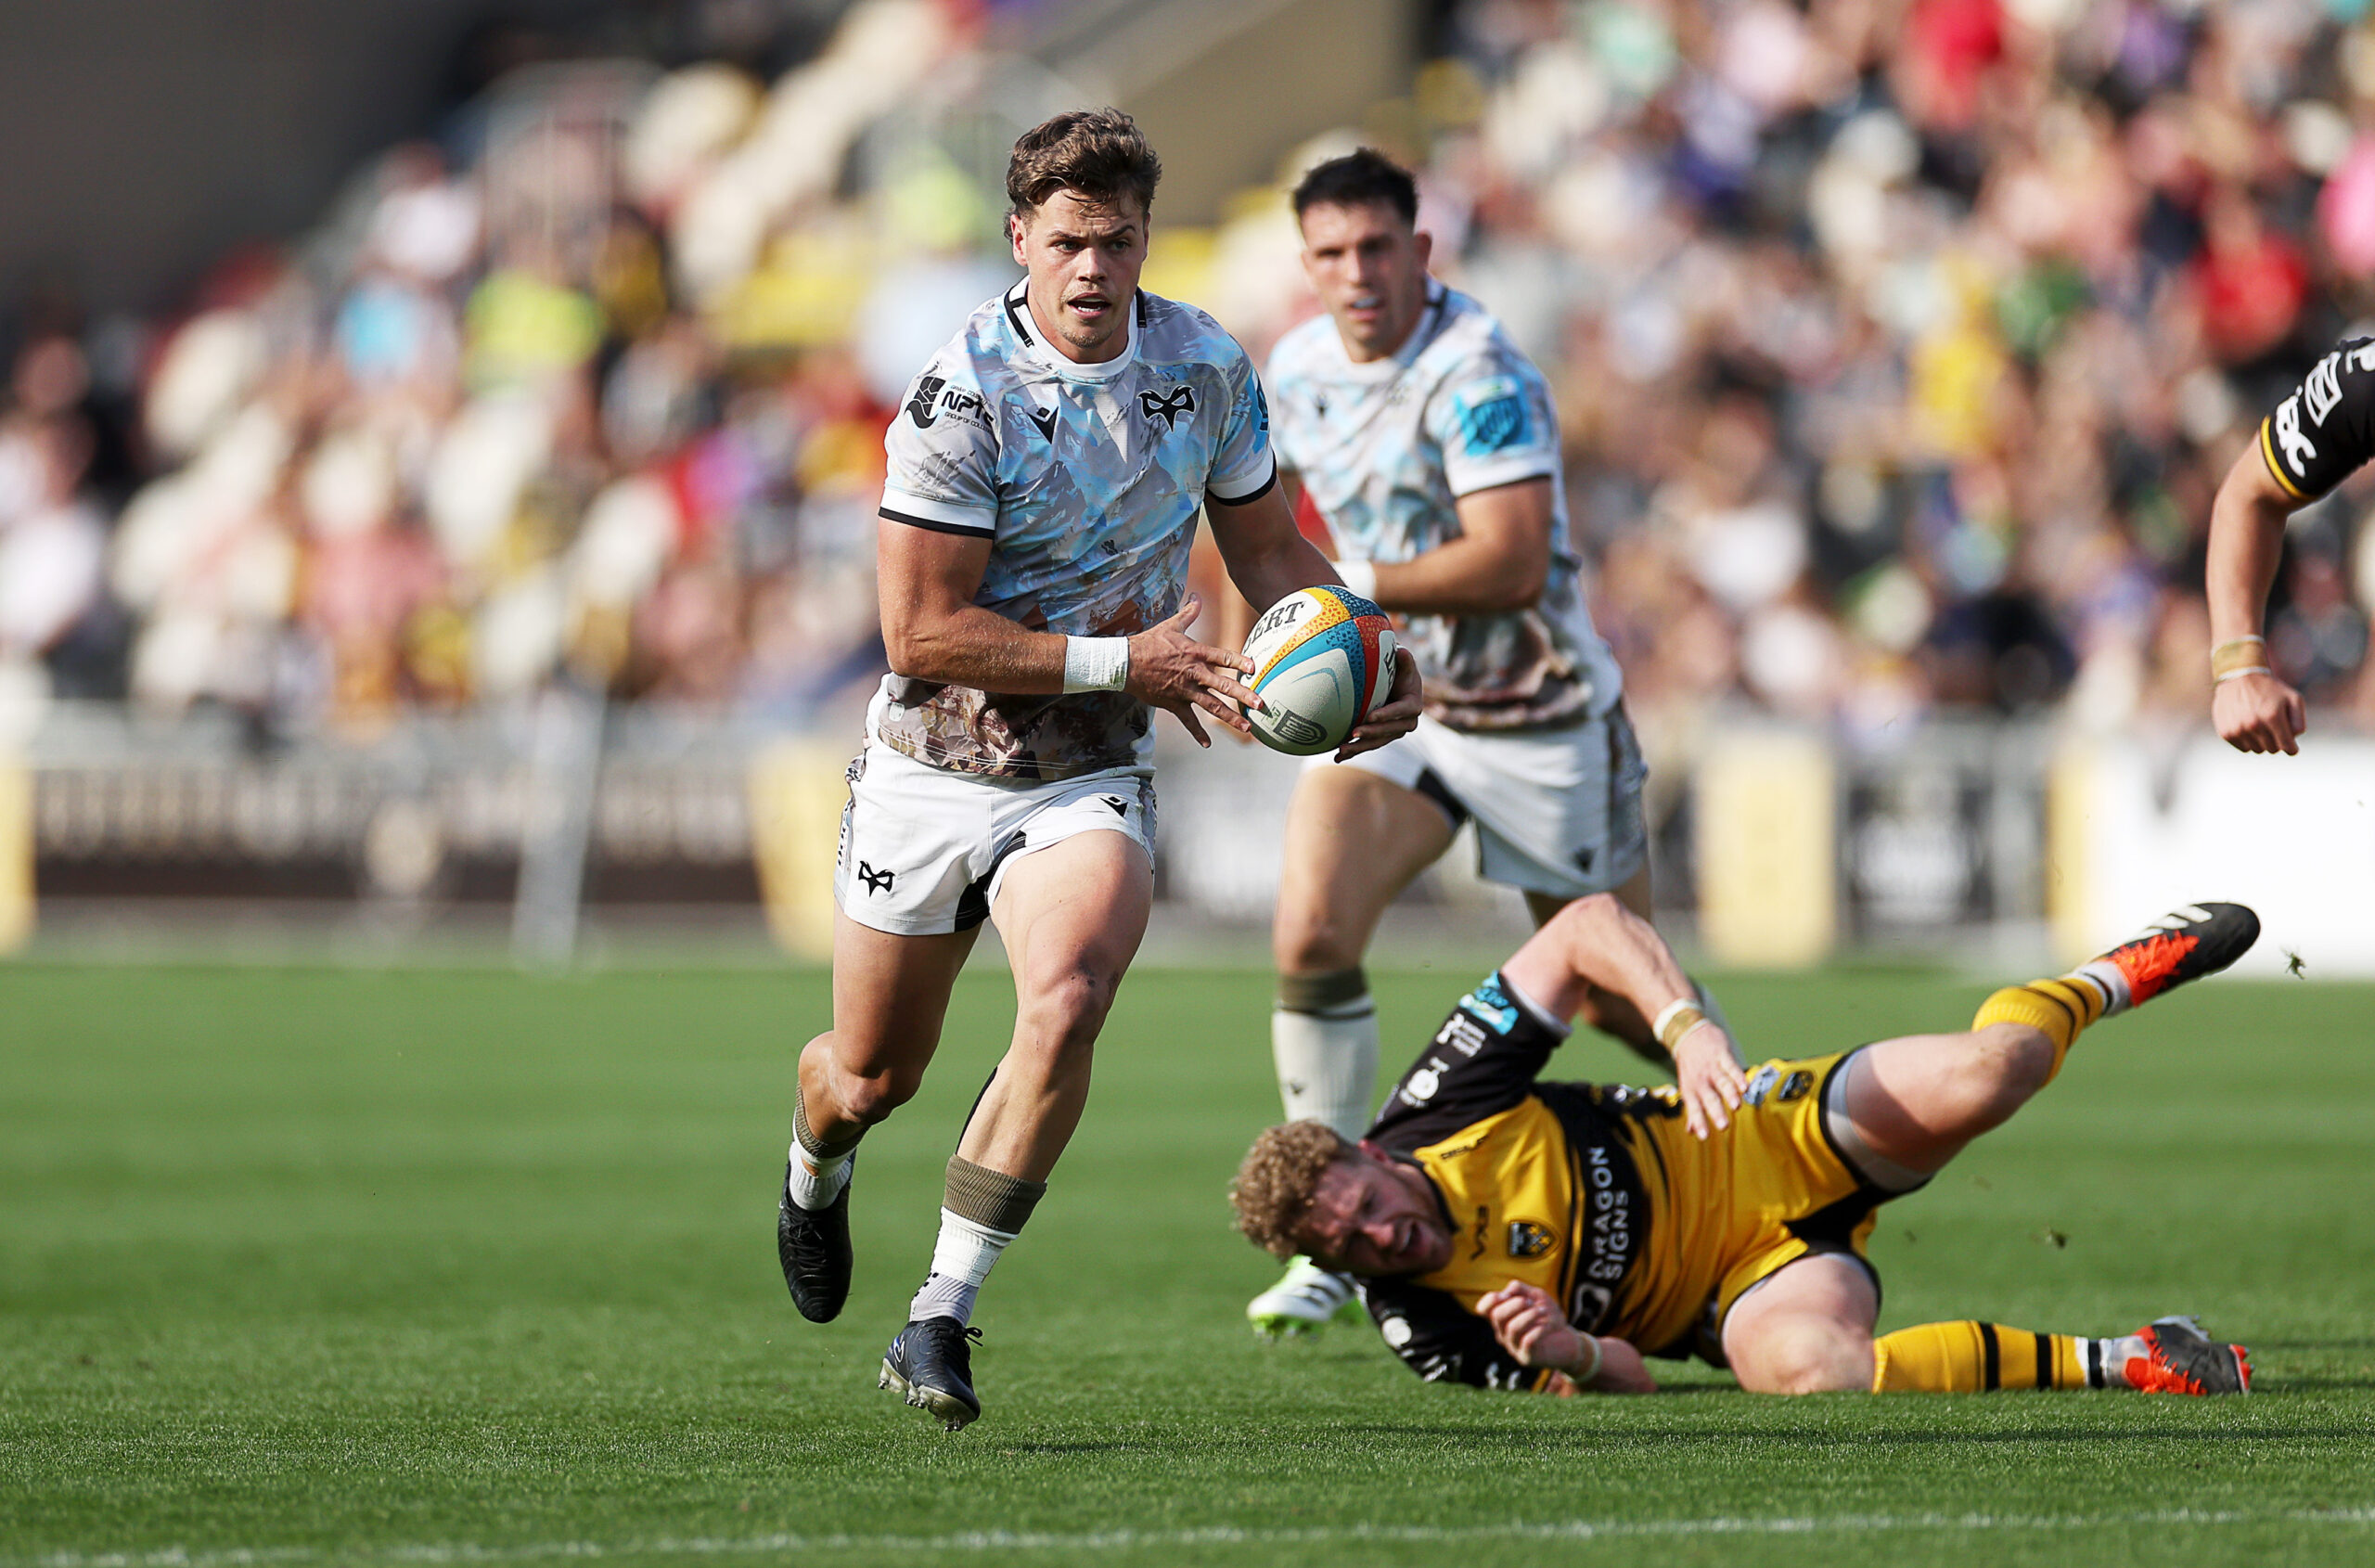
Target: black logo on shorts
[1528,1239]
[1045,419]
[1168,406]
[919,406]
[1121,807]
[876,882]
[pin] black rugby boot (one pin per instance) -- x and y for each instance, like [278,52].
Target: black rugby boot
[814,1247]
[2188,944]
[932,1364]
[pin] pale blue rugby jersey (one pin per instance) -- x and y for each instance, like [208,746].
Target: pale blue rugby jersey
[1387,448]
[1086,479]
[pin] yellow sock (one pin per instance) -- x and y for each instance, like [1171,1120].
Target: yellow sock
[2060,1008]
[1969,1358]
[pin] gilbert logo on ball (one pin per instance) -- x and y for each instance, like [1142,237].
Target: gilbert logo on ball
[1322,659]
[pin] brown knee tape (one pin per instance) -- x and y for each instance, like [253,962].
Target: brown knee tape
[1320,993]
[809,1142]
[988,1197]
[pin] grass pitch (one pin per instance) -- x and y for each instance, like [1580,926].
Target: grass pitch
[416,1267]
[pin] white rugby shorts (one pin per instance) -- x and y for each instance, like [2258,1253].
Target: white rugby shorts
[1557,812]
[924,849]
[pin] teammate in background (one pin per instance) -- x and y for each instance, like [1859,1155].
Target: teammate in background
[1521,1235]
[1428,442]
[1043,483]
[2313,440]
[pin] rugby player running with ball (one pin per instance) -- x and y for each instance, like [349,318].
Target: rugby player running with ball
[1045,478]
[1428,442]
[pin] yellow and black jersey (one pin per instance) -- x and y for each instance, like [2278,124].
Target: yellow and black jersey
[1600,1195]
[2325,427]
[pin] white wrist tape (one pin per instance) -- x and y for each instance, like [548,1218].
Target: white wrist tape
[1589,1369]
[1360,577]
[1095,663]
[1677,1019]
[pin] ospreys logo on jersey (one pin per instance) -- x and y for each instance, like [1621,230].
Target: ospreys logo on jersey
[1492,414]
[1168,406]
[919,405]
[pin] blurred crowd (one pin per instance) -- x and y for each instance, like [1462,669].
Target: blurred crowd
[1901,345]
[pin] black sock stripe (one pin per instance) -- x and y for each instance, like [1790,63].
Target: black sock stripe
[2094,1363]
[2077,1024]
[2045,1361]
[1992,1378]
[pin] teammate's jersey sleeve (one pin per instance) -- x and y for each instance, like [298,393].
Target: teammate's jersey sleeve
[942,451]
[1442,1340]
[1483,1061]
[1243,469]
[2325,427]
[1491,419]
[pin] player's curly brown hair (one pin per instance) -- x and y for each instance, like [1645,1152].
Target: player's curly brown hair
[1098,152]
[1274,1187]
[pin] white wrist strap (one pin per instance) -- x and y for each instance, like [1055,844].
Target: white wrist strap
[1589,1369]
[1095,663]
[1677,1019]
[1360,577]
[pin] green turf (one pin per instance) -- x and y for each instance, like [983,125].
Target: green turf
[424,1266]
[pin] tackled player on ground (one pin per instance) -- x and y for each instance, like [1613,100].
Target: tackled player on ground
[1517,1234]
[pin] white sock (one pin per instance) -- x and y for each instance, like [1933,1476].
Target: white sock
[2107,1360]
[1327,1063]
[2105,977]
[816,1181]
[961,1259]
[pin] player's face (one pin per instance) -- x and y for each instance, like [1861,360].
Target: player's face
[1370,270]
[1083,256]
[1376,1219]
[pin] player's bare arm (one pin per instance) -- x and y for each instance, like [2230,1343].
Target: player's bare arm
[933,631]
[1500,561]
[1530,1326]
[1597,942]
[1267,559]
[2253,708]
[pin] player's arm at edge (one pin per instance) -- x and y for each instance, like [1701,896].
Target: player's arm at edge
[1596,942]
[1267,559]
[2252,710]
[1499,562]
[933,631]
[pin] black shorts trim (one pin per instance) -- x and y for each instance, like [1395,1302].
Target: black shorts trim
[1431,784]
[1830,1140]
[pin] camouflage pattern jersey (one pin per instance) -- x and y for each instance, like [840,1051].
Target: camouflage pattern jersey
[1087,480]
[1387,448]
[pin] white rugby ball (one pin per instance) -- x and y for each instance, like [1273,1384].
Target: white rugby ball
[1322,659]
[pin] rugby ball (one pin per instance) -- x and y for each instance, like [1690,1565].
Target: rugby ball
[1322,659]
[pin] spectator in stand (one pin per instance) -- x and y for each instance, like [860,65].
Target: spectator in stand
[1901,343]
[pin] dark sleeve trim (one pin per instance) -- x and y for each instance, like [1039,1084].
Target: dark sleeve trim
[2267,455]
[914,522]
[1267,485]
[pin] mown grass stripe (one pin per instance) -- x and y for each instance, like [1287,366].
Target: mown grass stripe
[1222,1535]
